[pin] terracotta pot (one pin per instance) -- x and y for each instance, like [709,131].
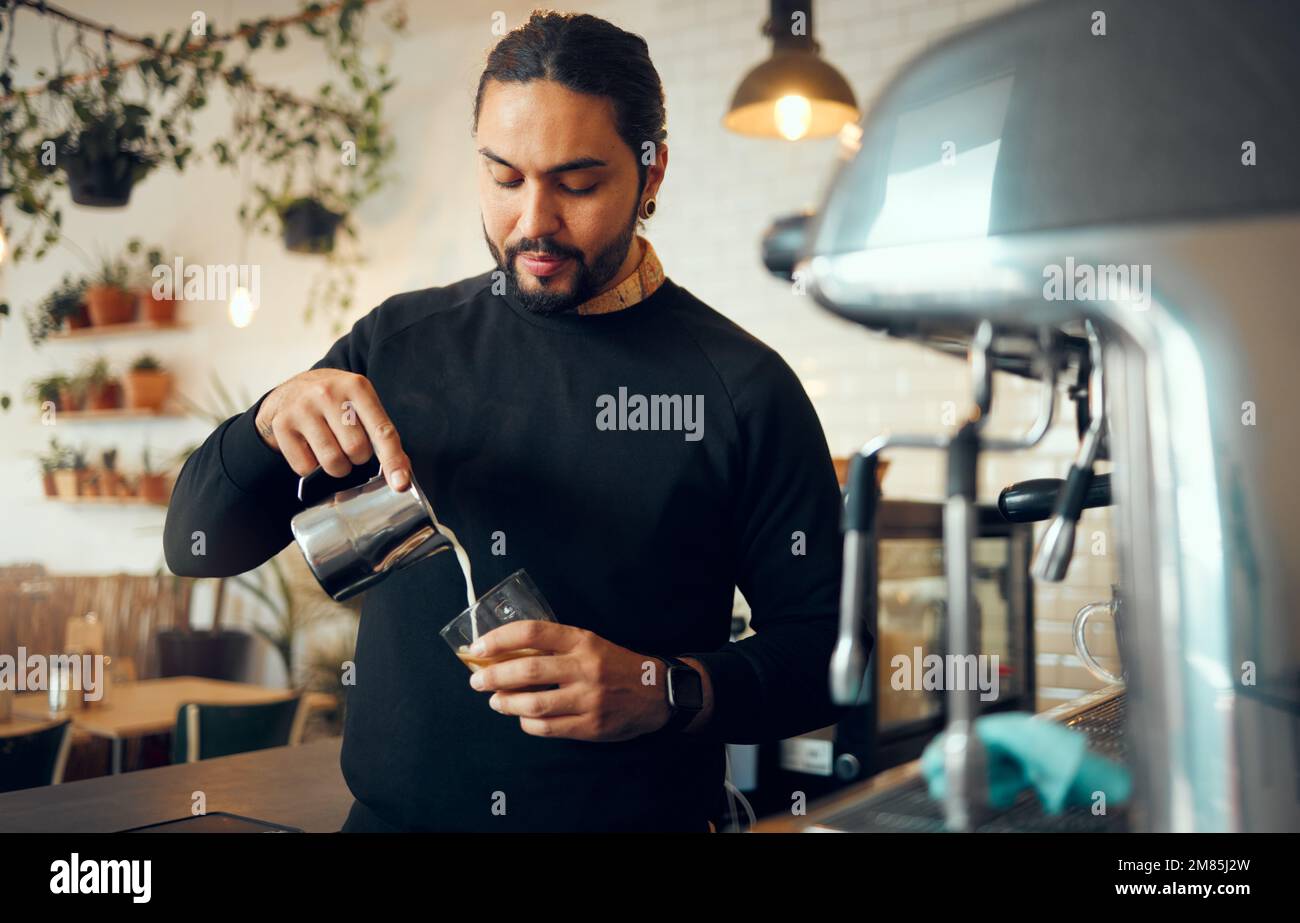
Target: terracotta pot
[104,396]
[65,483]
[157,310]
[78,320]
[147,390]
[69,399]
[127,486]
[108,304]
[90,483]
[154,488]
[111,483]
[47,481]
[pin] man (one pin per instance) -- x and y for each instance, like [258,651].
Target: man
[580,415]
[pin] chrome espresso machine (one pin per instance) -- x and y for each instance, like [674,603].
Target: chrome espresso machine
[1116,209]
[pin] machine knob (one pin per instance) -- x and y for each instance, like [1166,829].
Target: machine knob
[847,767]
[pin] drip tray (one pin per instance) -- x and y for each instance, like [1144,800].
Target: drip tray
[908,807]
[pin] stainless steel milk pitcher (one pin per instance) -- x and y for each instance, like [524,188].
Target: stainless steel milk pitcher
[358,536]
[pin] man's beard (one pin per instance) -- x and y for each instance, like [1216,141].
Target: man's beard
[588,279]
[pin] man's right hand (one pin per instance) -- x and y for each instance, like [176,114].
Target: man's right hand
[332,419]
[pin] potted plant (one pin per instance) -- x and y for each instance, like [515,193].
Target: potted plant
[111,481]
[102,390]
[154,307]
[147,384]
[72,394]
[58,458]
[153,486]
[62,309]
[79,474]
[307,225]
[108,145]
[65,474]
[51,388]
[101,173]
[293,604]
[107,298]
[47,477]
[48,464]
[90,482]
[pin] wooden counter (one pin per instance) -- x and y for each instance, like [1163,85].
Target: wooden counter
[298,786]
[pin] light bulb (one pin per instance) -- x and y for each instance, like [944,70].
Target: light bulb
[241,307]
[793,116]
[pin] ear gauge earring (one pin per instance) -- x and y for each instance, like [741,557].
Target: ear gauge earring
[647,208]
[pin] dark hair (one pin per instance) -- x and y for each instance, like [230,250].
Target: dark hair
[588,55]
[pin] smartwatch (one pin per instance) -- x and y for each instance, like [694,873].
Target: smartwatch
[685,691]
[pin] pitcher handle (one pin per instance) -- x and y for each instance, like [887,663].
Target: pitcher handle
[303,480]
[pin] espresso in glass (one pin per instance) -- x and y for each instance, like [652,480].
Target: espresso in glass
[514,599]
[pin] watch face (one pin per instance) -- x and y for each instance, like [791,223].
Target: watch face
[685,689]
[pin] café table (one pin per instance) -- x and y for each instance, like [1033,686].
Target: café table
[148,706]
[17,725]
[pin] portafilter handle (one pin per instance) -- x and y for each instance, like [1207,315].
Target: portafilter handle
[1035,500]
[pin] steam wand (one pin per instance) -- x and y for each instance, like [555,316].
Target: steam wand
[1052,556]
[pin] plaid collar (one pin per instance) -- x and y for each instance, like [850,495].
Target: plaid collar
[641,284]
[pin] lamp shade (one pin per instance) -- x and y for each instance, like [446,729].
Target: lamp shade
[794,94]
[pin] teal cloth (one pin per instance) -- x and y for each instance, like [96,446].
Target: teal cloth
[1023,751]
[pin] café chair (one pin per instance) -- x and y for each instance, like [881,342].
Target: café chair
[35,758]
[206,731]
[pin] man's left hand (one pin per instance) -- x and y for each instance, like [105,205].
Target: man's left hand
[581,686]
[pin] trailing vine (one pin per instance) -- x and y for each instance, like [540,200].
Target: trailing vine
[331,148]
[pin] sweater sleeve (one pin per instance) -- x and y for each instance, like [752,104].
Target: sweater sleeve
[775,683]
[231,506]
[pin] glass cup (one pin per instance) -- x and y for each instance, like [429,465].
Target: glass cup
[514,599]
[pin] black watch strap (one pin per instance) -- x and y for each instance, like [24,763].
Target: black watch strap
[680,715]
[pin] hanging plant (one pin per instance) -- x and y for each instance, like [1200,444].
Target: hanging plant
[80,130]
[102,154]
[308,226]
[317,160]
[81,134]
[109,144]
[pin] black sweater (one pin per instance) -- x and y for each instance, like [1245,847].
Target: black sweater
[517,429]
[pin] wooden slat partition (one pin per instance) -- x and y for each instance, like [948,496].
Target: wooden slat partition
[35,608]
